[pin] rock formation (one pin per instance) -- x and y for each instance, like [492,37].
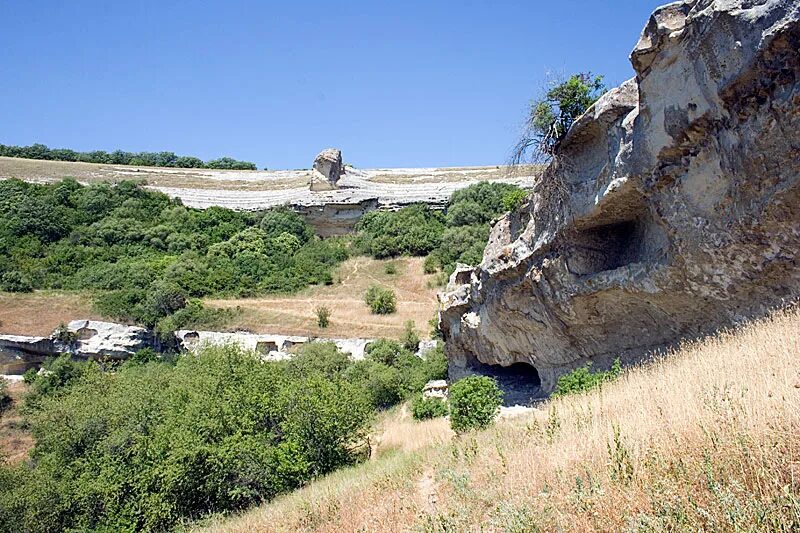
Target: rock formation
[92,340]
[269,347]
[672,208]
[327,169]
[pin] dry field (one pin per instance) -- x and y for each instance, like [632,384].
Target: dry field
[40,170]
[40,312]
[707,439]
[350,316]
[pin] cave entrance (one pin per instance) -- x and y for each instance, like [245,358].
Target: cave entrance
[520,382]
[606,248]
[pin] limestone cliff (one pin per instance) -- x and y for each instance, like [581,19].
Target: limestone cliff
[672,208]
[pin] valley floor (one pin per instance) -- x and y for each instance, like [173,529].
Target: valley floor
[350,316]
[705,439]
[40,312]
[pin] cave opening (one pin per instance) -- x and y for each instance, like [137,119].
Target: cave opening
[520,382]
[606,247]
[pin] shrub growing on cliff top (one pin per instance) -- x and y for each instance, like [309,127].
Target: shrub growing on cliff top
[551,115]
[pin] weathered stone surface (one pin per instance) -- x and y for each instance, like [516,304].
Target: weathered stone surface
[436,388]
[18,353]
[336,211]
[270,347]
[97,340]
[327,169]
[672,209]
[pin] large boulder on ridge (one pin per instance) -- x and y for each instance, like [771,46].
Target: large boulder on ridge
[327,170]
[672,208]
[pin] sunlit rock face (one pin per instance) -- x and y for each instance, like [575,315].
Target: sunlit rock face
[672,209]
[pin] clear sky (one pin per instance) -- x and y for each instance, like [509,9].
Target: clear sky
[415,83]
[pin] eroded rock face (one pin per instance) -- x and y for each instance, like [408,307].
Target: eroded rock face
[269,347]
[672,209]
[327,169]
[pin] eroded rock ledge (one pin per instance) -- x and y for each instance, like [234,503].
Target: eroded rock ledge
[672,209]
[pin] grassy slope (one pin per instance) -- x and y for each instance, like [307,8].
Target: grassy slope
[704,440]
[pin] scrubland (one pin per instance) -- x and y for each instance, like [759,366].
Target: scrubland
[703,439]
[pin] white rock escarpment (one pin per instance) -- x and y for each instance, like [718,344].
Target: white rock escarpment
[671,209]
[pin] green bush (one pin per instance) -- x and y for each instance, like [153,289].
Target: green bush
[390,269]
[380,301]
[384,351]
[143,255]
[431,264]
[425,408]
[458,236]
[15,282]
[513,200]
[323,316]
[320,358]
[413,230]
[474,403]
[583,379]
[384,384]
[153,445]
[410,338]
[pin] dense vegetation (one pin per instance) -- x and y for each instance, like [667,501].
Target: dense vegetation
[145,255]
[459,235]
[118,157]
[584,379]
[551,115]
[154,442]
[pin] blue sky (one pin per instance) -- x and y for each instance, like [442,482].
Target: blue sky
[416,83]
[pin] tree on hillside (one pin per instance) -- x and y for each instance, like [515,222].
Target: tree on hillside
[551,115]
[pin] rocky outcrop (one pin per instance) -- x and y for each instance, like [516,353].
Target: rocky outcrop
[269,347]
[99,340]
[327,169]
[84,339]
[18,353]
[671,210]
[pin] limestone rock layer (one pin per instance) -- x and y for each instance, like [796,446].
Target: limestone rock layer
[671,210]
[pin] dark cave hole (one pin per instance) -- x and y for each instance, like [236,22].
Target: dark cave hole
[520,382]
[606,248]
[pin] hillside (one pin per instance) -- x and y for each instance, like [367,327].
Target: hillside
[261,189]
[709,442]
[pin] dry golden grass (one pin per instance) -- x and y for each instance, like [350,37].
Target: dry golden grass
[397,431]
[40,312]
[350,316]
[40,170]
[16,440]
[707,439]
